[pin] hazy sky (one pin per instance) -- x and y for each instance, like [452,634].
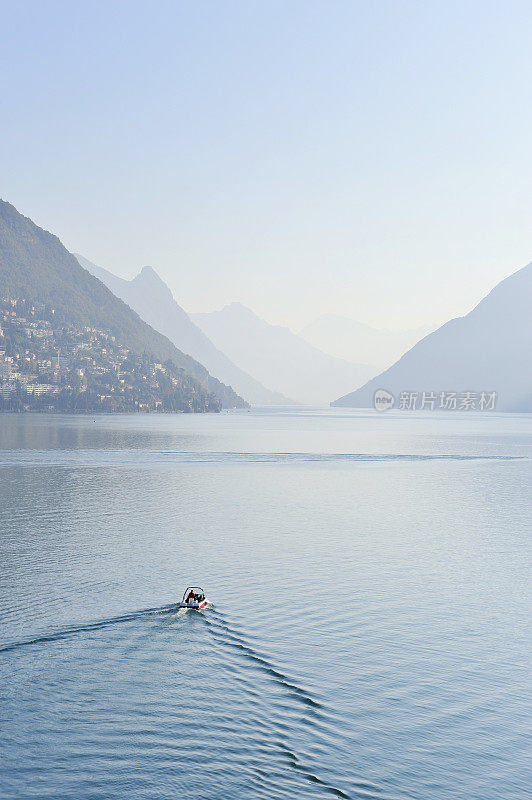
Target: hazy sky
[371,159]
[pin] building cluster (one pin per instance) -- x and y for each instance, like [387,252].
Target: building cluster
[47,365]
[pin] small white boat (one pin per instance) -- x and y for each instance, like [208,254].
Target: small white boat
[194,597]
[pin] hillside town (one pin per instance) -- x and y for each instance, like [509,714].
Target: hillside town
[47,365]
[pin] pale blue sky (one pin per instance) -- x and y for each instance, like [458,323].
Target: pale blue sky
[371,159]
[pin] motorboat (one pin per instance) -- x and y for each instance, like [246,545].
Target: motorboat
[194,597]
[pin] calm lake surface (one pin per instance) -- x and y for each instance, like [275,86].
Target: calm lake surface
[368,637]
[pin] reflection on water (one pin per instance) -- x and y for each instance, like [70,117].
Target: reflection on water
[368,635]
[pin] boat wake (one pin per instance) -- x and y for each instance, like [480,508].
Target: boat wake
[139,457]
[307,718]
[222,630]
[315,715]
[85,627]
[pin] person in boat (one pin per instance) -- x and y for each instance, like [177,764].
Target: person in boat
[191,597]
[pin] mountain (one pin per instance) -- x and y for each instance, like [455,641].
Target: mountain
[486,350]
[51,365]
[34,265]
[277,357]
[351,340]
[150,297]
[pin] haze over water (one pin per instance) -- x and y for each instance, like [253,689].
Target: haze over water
[368,636]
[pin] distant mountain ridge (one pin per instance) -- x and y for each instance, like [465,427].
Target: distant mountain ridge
[353,341]
[35,265]
[152,299]
[486,350]
[279,358]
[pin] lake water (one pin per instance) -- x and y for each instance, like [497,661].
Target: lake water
[368,636]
